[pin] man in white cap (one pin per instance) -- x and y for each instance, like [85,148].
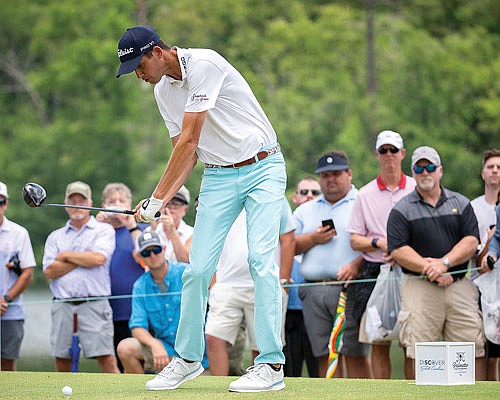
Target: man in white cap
[76,263]
[16,270]
[367,227]
[174,232]
[432,234]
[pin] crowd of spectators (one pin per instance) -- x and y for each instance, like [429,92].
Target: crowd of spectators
[440,240]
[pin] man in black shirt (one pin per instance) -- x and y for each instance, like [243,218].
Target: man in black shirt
[432,233]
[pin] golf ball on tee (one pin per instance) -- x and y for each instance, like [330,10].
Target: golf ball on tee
[67,391]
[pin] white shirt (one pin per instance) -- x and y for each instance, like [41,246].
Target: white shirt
[184,231]
[486,216]
[233,269]
[235,128]
[13,239]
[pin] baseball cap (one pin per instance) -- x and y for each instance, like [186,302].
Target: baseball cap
[182,194]
[3,190]
[133,44]
[148,239]
[389,137]
[332,162]
[80,188]
[425,153]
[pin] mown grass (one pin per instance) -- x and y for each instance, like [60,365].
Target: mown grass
[96,386]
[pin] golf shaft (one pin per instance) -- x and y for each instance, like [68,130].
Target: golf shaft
[130,212]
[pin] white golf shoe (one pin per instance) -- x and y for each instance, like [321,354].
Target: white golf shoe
[175,374]
[259,378]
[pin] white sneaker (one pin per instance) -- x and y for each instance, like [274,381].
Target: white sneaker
[259,378]
[174,374]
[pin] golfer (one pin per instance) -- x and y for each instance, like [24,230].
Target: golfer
[212,114]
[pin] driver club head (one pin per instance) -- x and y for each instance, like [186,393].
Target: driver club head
[34,194]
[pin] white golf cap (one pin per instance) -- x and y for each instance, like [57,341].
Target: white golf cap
[425,153]
[3,190]
[182,194]
[389,137]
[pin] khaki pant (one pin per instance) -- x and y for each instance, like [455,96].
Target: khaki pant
[430,313]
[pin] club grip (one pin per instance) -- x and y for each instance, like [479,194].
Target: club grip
[130,212]
[491,262]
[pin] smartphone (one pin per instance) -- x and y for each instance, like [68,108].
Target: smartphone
[328,222]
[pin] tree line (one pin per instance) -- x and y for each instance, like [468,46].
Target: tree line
[329,74]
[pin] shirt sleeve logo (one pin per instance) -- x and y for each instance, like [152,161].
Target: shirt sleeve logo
[199,97]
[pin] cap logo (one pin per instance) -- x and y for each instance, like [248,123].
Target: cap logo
[124,52]
[146,236]
[329,160]
[147,46]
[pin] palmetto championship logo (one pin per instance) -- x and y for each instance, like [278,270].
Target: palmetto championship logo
[460,365]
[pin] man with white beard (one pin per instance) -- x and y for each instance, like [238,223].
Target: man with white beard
[433,233]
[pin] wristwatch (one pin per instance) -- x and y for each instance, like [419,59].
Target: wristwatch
[374,243]
[7,298]
[285,282]
[446,262]
[135,228]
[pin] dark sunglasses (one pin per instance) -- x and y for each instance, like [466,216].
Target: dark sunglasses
[155,250]
[419,169]
[314,192]
[3,202]
[384,150]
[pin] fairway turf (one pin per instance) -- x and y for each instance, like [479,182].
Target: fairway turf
[92,386]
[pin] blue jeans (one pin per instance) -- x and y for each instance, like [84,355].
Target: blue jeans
[259,188]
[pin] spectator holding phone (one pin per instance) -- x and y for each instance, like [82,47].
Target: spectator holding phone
[327,256]
[16,270]
[368,229]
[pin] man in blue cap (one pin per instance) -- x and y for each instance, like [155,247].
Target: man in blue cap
[212,115]
[327,257]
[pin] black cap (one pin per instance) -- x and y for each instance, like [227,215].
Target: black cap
[133,44]
[332,162]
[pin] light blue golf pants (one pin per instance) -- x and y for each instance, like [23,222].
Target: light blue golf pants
[224,192]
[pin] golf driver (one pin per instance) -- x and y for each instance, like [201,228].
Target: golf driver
[34,195]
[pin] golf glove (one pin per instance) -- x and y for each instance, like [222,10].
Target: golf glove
[150,209]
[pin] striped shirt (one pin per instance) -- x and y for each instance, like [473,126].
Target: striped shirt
[82,281]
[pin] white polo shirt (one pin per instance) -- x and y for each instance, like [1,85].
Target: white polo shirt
[14,239]
[235,128]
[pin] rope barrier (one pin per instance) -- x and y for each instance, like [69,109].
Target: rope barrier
[129,296]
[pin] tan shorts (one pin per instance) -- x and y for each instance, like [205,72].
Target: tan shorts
[429,313]
[229,307]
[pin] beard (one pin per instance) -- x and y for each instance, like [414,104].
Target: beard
[426,184]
